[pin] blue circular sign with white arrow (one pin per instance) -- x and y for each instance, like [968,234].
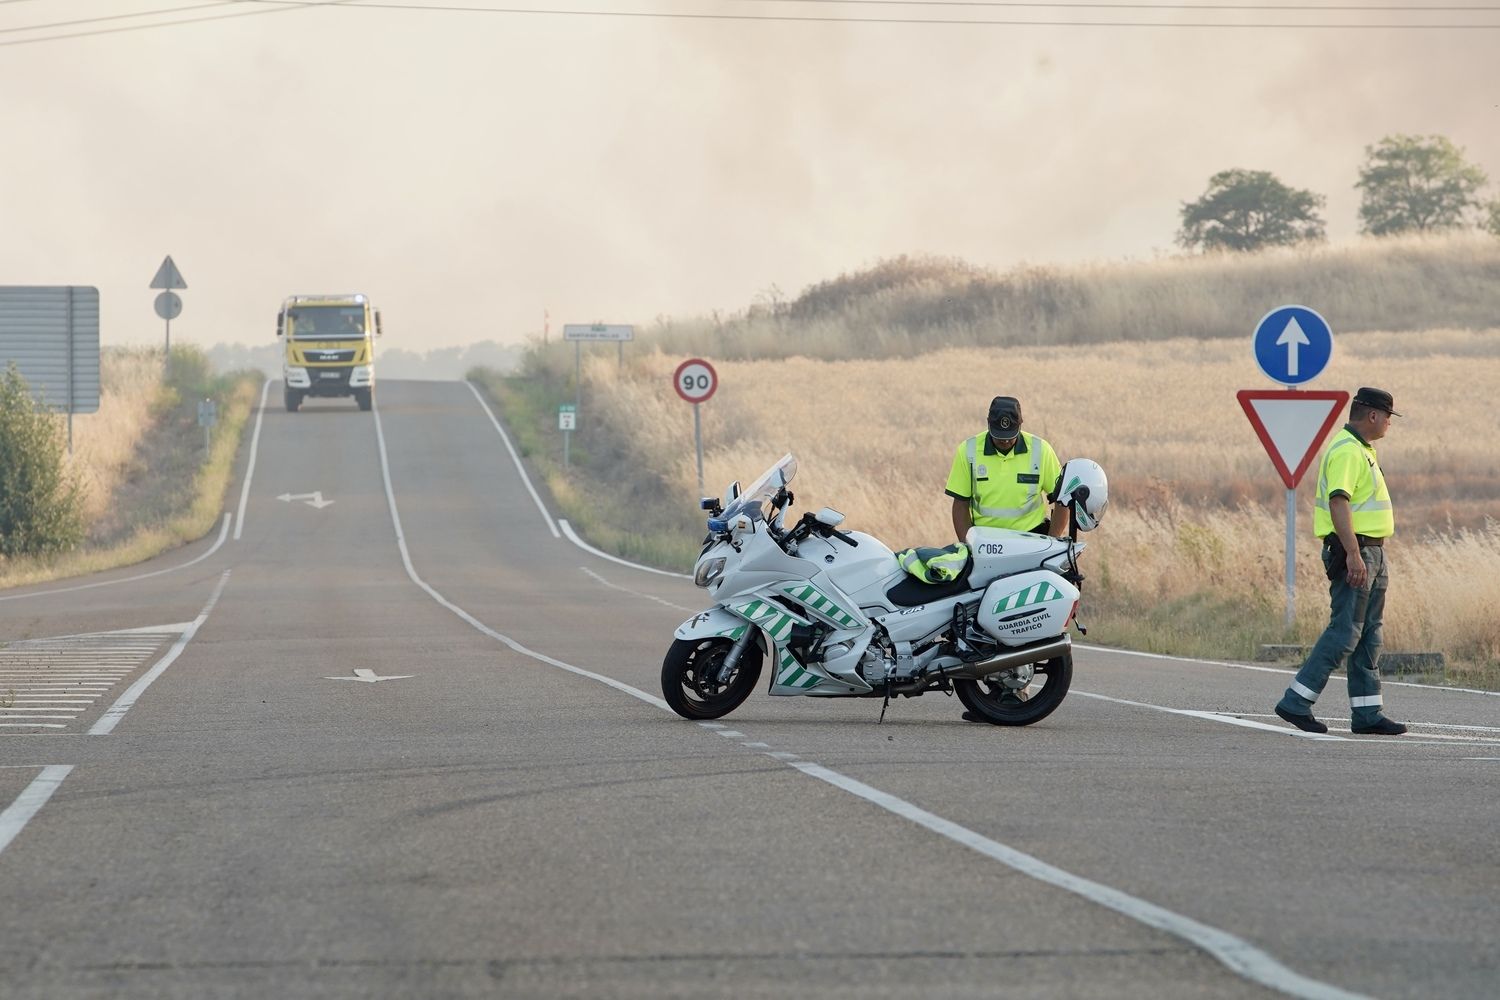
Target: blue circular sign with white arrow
[1292,344]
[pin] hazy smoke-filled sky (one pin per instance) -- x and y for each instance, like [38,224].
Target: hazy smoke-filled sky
[470,170]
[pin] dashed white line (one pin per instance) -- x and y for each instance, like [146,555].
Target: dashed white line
[637,593]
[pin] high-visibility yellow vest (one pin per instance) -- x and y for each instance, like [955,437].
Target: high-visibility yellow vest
[1349,467]
[1005,490]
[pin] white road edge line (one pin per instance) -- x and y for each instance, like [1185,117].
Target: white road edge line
[223,532]
[585,546]
[32,798]
[239,517]
[1212,717]
[1237,955]
[514,457]
[1273,670]
[116,712]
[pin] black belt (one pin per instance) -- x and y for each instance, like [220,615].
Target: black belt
[1363,540]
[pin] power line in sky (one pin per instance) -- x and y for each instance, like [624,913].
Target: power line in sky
[284,6]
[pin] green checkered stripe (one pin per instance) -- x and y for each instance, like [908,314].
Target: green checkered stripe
[821,603]
[777,621]
[790,673]
[1037,593]
[733,633]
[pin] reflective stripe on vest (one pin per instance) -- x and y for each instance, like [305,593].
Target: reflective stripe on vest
[1373,515]
[1033,500]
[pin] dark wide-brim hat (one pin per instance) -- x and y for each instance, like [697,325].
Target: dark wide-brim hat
[1377,399]
[1005,417]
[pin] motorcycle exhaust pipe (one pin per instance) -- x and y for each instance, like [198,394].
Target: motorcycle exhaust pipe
[1010,658]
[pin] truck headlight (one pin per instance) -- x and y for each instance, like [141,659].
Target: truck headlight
[709,571]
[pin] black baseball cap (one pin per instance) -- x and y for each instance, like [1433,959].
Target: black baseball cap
[1005,417]
[1377,399]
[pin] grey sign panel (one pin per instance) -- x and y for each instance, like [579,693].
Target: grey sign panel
[51,332]
[598,331]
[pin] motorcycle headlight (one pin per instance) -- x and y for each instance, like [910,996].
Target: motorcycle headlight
[709,571]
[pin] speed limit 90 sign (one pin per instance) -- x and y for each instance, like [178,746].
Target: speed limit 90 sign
[695,380]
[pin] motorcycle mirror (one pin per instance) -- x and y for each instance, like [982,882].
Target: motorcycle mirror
[732,491]
[829,517]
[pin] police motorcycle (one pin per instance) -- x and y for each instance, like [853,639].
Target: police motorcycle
[837,616]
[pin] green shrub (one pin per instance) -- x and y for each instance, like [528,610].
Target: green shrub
[41,508]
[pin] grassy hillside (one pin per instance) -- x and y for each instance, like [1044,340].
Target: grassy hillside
[150,479]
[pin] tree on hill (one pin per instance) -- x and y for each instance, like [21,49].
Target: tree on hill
[1250,210]
[40,507]
[1492,223]
[1416,183]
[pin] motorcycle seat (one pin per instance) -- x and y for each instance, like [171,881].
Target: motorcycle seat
[911,592]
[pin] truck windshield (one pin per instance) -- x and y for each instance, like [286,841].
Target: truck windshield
[327,322]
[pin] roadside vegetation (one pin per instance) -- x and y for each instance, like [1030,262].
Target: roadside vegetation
[1189,559]
[145,478]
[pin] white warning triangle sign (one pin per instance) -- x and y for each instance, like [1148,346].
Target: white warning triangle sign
[1292,425]
[167,276]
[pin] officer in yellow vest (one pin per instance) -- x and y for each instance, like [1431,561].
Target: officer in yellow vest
[1353,516]
[1003,478]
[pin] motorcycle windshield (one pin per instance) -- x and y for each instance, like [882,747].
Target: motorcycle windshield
[755,501]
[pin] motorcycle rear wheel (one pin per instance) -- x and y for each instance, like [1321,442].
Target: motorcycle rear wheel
[687,675]
[999,705]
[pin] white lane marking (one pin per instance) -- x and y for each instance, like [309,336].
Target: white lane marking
[32,798]
[34,725]
[637,593]
[143,630]
[1482,758]
[1234,953]
[733,734]
[116,712]
[223,533]
[514,457]
[1275,670]
[1210,716]
[239,515]
[585,546]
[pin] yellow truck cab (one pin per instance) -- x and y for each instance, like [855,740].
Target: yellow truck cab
[329,348]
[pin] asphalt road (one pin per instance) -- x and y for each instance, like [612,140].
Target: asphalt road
[198,797]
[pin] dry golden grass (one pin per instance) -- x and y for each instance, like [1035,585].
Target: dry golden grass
[1195,503]
[104,443]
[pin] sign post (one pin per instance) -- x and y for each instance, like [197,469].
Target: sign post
[567,421]
[695,381]
[208,415]
[168,303]
[578,333]
[1292,345]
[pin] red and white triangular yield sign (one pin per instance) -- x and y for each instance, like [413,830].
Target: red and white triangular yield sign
[1292,425]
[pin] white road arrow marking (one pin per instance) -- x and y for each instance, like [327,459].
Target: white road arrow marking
[369,677]
[315,498]
[1292,337]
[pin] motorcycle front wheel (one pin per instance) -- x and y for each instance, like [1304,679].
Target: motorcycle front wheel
[1002,701]
[690,677]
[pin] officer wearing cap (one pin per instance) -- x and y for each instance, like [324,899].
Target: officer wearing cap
[1002,478]
[1353,516]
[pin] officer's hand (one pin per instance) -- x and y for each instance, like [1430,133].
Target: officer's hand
[1355,569]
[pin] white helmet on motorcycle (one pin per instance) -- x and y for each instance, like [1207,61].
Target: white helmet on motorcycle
[1084,486]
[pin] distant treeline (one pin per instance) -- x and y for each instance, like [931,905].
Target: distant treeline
[912,304]
[391,362]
